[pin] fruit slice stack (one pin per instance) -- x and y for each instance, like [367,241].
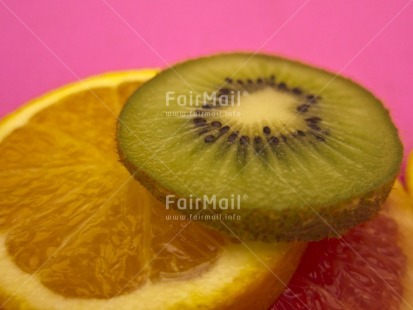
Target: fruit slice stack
[77,232]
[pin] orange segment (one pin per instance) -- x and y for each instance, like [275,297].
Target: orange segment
[78,232]
[89,231]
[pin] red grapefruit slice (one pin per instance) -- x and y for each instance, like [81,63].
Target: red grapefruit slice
[371,267]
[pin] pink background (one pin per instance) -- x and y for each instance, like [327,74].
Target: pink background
[47,43]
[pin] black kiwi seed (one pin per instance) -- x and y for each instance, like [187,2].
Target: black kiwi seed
[232,137]
[266,130]
[313,119]
[224,130]
[272,80]
[203,131]
[282,86]
[244,140]
[240,82]
[314,126]
[199,121]
[209,139]
[284,138]
[250,81]
[303,108]
[257,140]
[216,124]
[273,140]
[228,80]
[206,106]
[319,138]
[259,80]
[301,133]
[297,91]
[312,98]
[224,91]
[258,145]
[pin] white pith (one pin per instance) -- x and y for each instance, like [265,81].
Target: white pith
[265,107]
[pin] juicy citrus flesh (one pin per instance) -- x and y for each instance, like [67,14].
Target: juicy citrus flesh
[78,227]
[368,268]
[81,220]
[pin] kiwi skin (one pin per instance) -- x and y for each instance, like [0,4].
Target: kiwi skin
[270,225]
[310,223]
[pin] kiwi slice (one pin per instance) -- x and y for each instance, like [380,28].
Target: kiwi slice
[287,151]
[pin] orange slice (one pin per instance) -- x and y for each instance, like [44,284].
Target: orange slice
[77,232]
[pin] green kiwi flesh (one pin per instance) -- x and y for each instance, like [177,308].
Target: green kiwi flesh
[292,151]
